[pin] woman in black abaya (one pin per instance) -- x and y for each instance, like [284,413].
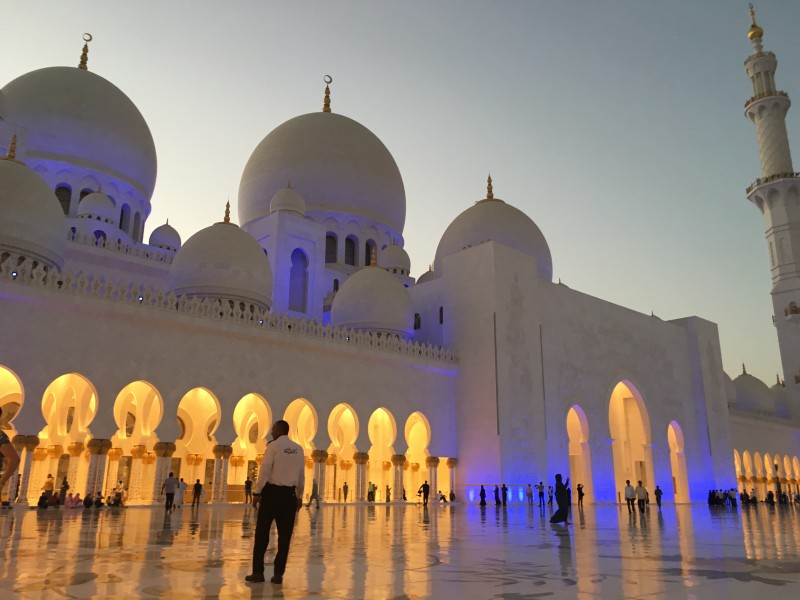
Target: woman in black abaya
[562,500]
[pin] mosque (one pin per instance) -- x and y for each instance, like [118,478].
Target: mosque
[123,359]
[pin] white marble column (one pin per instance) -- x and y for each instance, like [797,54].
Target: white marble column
[164,452]
[75,449]
[452,463]
[329,493]
[320,465]
[26,446]
[222,455]
[136,483]
[360,489]
[432,462]
[398,461]
[38,472]
[113,472]
[98,452]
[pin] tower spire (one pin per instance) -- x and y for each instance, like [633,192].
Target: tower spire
[326,103]
[227,218]
[12,149]
[87,37]
[489,190]
[755,33]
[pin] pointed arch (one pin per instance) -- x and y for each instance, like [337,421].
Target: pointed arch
[629,427]
[382,430]
[11,399]
[580,459]
[677,458]
[69,405]
[138,410]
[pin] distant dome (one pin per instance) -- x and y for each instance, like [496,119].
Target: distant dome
[166,237]
[222,261]
[74,116]
[753,395]
[374,300]
[394,257]
[494,220]
[288,199]
[31,220]
[339,164]
[426,276]
[97,204]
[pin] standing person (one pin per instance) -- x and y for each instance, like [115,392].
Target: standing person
[504,489]
[278,497]
[580,495]
[197,492]
[345,489]
[540,489]
[248,491]
[483,496]
[496,496]
[562,500]
[658,492]
[49,486]
[62,494]
[369,492]
[314,494]
[529,494]
[425,489]
[550,495]
[388,494]
[630,495]
[180,493]
[641,496]
[10,459]
[168,488]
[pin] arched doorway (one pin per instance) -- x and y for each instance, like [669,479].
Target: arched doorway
[302,419]
[418,437]
[760,478]
[677,459]
[749,474]
[198,418]
[298,281]
[252,420]
[580,460]
[769,474]
[382,431]
[10,400]
[343,432]
[737,464]
[629,424]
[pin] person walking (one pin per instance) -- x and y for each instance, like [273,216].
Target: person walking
[496,496]
[10,461]
[540,489]
[248,491]
[168,488]
[658,493]
[562,500]
[180,493]
[483,496]
[550,495]
[630,495]
[62,494]
[641,496]
[345,489]
[278,496]
[425,489]
[314,494]
[580,495]
[529,494]
[197,492]
[504,490]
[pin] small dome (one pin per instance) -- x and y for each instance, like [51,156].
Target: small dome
[428,275]
[494,220]
[753,395]
[166,237]
[394,257]
[222,261]
[374,300]
[288,199]
[97,204]
[31,220]
[340,165]
[73,116]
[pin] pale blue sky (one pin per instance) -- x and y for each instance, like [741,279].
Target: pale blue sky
[617,125]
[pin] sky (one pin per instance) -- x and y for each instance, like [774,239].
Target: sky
[616,125]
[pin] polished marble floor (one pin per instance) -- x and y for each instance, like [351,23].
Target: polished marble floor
[398,552]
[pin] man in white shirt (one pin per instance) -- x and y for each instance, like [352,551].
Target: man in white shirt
[168,488]
[641,496]
[630,496]
[278,495]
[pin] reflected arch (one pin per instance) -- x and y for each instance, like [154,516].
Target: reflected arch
[629,425]
[677,459]
[580,459]
[11,400]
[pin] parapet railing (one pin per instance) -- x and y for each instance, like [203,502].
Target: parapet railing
[25,271]
[763,95]
[138,250]
[768,178]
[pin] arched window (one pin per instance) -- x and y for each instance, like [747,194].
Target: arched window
[100,238]
[369,247]
[417,321]
[137,227]
[298,281]
[125,218]
[441,315]
[64,195]
[331,247]
[350,251]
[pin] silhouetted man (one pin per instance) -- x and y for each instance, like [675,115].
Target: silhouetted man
[425,489]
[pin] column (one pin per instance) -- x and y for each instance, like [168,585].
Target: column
[329,493]
[26,444]
[360,488]
[54,453]
[451,464]
[98,453]
[38,472]
[135,484]
[113,470]
[75,450]
[163,452]
[221,456]
[432,462]
[398,460]
[320,464]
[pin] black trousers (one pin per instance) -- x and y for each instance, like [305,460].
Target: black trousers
[278,504]
[631,504]
[642,503]
[170,500]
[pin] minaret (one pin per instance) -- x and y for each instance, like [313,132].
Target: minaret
[777,195]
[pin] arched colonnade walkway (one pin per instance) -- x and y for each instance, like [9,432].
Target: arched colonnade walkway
[758,473]
[392,455]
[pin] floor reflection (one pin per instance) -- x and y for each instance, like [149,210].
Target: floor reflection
[386,551]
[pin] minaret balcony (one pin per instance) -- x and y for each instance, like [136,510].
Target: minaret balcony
[767,94]
[769,179]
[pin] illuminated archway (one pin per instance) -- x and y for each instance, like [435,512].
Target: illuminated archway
[138,409]
[302,419]
[796,469]
[788,473]
[343,432]
[737,465]
[629,424]
[749,473]
[382,431]
[418,437]
[11,400]
[760,479]
[769,474]
[580,460]
[198,417]
[252,420]
[677,459]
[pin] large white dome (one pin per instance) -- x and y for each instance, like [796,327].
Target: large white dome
[222,261]
[753,395]
[31,220]
[165,236]
[374,300]
[494,220]
[337,164]
[74,116]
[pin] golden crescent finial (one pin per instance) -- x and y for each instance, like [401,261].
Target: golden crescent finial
[326,104]
[755,32]
[489,190]
[87,37]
